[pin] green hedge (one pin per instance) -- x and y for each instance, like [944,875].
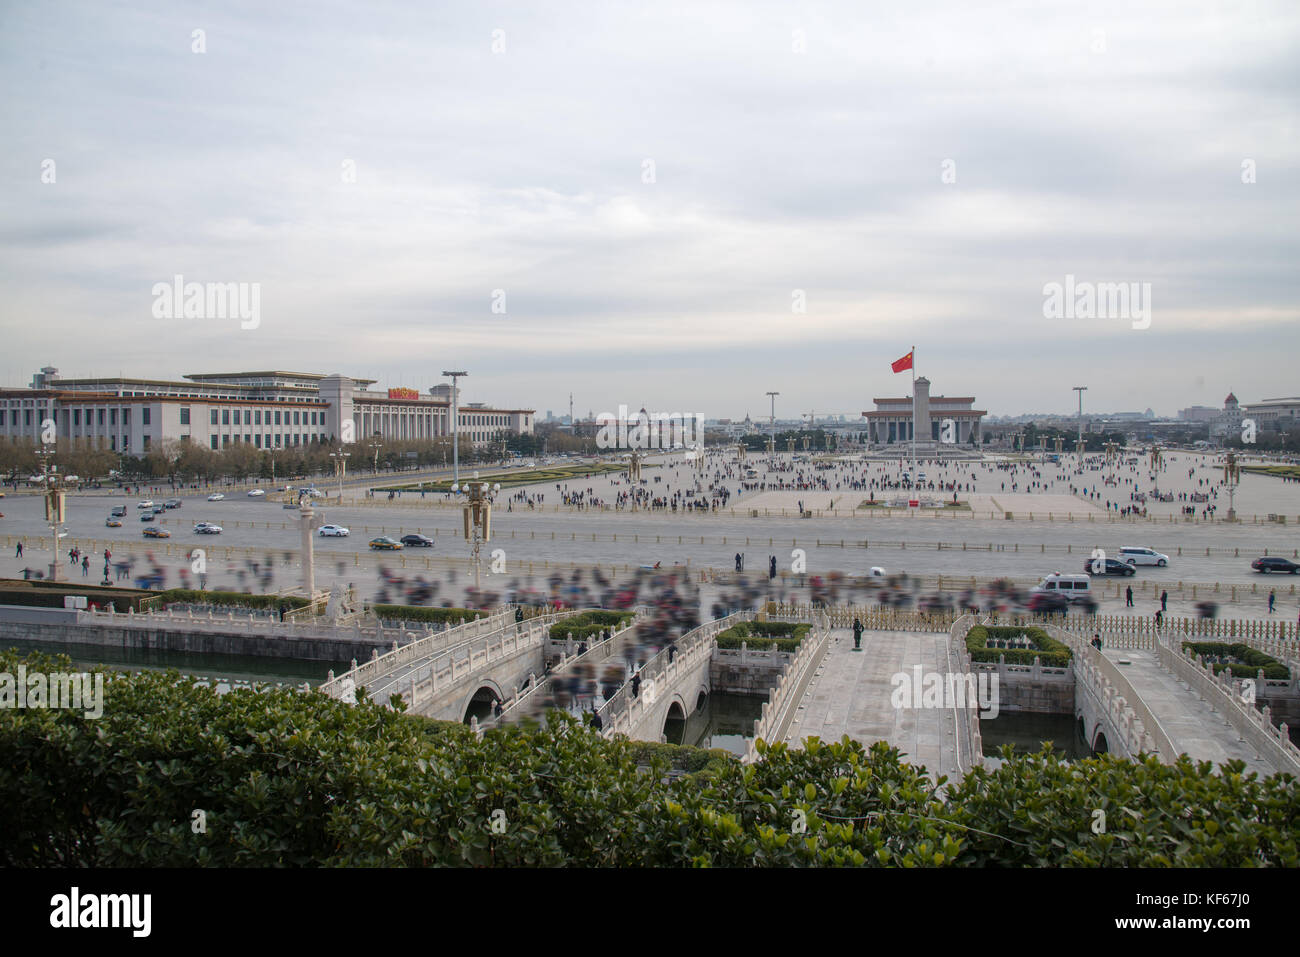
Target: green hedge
[764,635]
[1252,659]
[588,624]
[420,613]
[233,598]
[288,779]
[1050,652]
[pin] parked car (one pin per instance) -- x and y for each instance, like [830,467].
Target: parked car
[334,531]
[1274,564]
[384,543]
[157,533]
[207,528]
[1141,555]
[1112,566]
[256,492]
[418,541]
[145,504]
[172,503]
[216,497]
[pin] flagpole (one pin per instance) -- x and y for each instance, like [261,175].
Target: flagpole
[913,418]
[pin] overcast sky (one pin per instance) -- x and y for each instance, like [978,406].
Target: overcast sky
[650,184]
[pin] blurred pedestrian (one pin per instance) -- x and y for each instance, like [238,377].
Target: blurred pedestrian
[1272,600]
[19,552]
[1164,601]
[1128,597]
[857,634]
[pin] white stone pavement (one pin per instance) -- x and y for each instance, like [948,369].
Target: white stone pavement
[850,694]
[1192,725]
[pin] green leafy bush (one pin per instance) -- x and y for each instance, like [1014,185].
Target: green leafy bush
[288,779]
[1249,660]
[588,624]
[232,598]
[1047,650]
[764,635]
[419,613]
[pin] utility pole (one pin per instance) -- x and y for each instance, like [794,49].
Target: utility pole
[455,415]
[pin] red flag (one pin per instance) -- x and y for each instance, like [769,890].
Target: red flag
[903,364]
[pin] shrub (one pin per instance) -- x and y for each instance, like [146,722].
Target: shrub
[234,599]
[420,613]
[1048,650]
[1249,660]
[764,635]
[588,624]
[292,779]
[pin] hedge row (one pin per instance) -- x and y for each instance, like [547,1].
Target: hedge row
[288,779]
[764,635]
[420,613]
[1050,652]
[588,624]
[233,598]
[1252,659]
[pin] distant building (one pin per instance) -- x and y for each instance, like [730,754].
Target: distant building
[1274,414]
[1198,413]
[267,410]
[892,419]
[1227,422]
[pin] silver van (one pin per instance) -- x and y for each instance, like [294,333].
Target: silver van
[1071,587]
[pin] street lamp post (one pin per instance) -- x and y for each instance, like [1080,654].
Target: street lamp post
[54,510]
[340,466]
[1231,476]
[455,415]
[478,519]
[771,442]
[376,446]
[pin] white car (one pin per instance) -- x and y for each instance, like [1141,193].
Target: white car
[314,492]
[256,493]
[207,528]
[336,531]
[216,497]
[145,504]
[1141,555]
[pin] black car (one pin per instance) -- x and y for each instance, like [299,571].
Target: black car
[417,541]
[1112,567]
[1274,565]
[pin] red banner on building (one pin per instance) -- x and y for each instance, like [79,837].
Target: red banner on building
[403,394]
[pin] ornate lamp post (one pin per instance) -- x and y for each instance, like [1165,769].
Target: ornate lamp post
[340,466]
[478,518]
[1157,460]
[54,506]
[1232,476]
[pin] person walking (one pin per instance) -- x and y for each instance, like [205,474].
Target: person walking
[737,561]
[85,566]
[1164,600]
[1128,597]
[857,634]
[771,567]
[1272,600]
[19,552]
[636,684]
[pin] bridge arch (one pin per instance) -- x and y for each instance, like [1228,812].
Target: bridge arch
[1099,745]
[479,703]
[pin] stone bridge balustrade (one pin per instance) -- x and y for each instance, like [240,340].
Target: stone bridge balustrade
[662,683]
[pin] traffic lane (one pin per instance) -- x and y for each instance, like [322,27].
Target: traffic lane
[646,542]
